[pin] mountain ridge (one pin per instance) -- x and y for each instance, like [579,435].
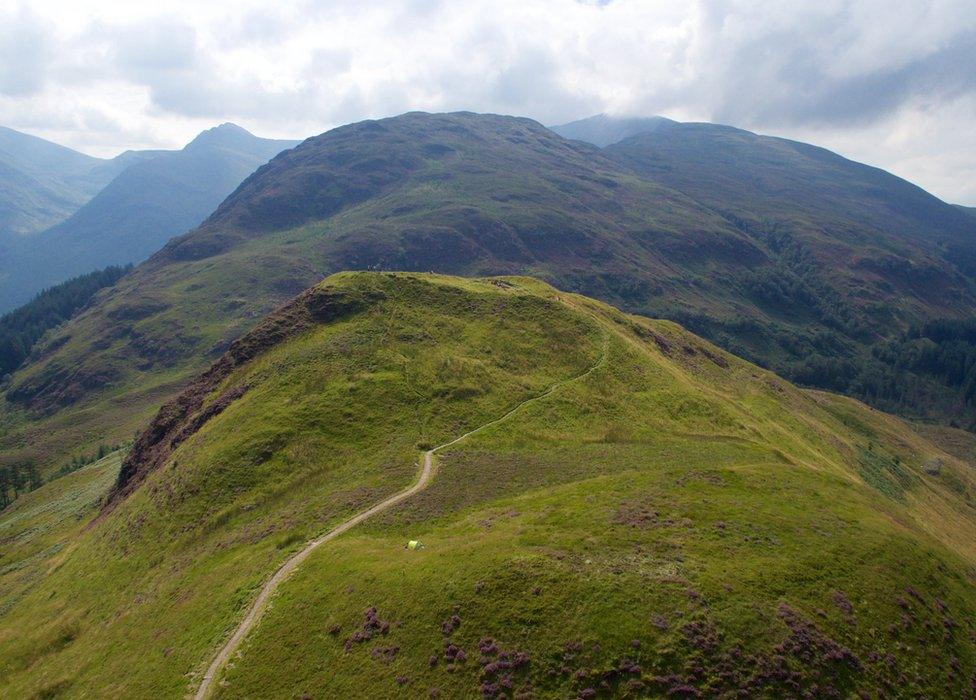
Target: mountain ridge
[486,194]
[43,182]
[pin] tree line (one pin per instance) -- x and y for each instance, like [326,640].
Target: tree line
[21,328]
[17,478]
[930,370]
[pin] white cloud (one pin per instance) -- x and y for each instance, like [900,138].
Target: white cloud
[889,82]
[24,53]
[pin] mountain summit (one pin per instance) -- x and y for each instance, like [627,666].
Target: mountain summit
[602,130]
[226,135]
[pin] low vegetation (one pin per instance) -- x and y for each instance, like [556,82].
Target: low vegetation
[37,527]
[674,522]
[83,460]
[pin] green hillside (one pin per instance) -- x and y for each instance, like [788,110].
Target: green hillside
[467,194]
[653,517]
[484,194]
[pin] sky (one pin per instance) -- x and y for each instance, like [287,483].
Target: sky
[886,82]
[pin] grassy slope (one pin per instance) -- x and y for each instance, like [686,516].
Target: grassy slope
[676,497]
[38,527]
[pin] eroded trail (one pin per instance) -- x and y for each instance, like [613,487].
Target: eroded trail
[426,473]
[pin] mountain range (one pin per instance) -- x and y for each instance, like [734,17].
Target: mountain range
[458,405]
[134,204]
[44,183]
[787,254]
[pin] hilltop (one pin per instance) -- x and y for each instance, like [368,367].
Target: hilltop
[464,193]
[663,518]
[469,194]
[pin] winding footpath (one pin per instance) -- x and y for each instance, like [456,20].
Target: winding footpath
[260,603]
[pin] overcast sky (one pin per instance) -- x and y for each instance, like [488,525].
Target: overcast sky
[886,82]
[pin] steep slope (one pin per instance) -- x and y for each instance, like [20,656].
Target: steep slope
[857,255]
[42,183]
[602,130]
[971,211]
[666,519]
[149,202]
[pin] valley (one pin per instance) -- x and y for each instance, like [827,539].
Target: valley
[532,350]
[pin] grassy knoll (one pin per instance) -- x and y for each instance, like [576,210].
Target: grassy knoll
[676,521]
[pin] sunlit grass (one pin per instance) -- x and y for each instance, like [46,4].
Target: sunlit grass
[673,505]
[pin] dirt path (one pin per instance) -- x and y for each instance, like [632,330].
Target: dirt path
[260,603]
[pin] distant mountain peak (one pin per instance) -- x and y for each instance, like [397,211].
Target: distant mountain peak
[230,128]
[226,134]
[143,199]
[605,129]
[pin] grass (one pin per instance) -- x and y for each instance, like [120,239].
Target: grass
[885,474]
[676,520]
[38,526]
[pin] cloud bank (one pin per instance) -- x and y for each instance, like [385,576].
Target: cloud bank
[887,82]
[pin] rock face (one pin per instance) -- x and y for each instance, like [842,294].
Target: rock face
[933,467]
